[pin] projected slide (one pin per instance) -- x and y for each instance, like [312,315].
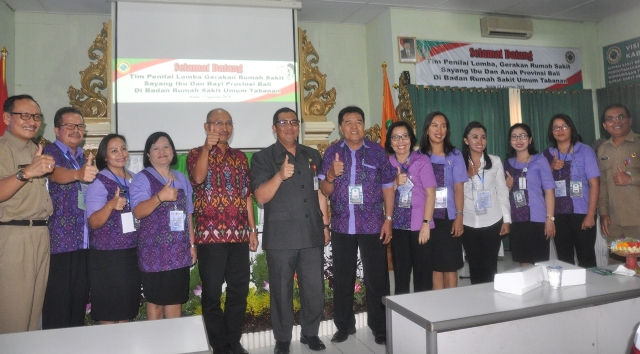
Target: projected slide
[182,80]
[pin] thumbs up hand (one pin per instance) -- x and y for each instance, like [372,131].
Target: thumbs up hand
[118,202]
[168,193]
[212,137]
[88,172]
[401,177]
[286,170]
[337,168]
[621,178]
[40,165]
[509,180]
[556,163]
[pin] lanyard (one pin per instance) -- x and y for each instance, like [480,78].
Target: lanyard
[406,170]
[565,161]
[69,158]
[124,188]
[364,155]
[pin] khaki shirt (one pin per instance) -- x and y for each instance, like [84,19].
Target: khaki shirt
[32,201]
[621,203]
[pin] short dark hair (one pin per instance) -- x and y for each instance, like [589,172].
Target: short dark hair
[11,101]
[217,109]
[282,110]
[57,119]
[613,105]
[511,152]
[425,143]
[347,110]
[466,151]
[400,123]
[575,137]
[101,155]
[152,140]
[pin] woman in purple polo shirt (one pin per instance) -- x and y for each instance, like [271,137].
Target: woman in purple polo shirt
[450,172]
[577,177]
[415,188]
[113,263]
[531,197]
[162,200]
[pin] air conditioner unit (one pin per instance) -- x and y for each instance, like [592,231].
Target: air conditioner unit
[506,27]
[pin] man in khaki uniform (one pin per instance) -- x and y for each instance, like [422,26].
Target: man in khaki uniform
[619,162]
[25,206]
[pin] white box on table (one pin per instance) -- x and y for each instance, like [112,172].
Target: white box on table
[571,274]
[518,281]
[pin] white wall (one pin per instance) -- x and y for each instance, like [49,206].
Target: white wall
[51,50]
[7,40]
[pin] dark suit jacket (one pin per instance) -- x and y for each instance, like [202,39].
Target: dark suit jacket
[293,219]
[403,54]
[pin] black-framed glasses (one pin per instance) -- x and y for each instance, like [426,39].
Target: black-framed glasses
[400,137]
[558,127]
[519,137]
[284,122]
[26,116]
[612,119]
[71,126]
[221,124]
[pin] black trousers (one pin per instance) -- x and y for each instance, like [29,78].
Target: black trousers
[570,236]
[373,254]
[217,263]
[67,294]
[408,254]
[481,246]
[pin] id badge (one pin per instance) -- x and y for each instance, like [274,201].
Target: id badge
[316,183]
[519,198]
[176,220]
[355,194]
[82,203]
[561,188]
[441,197]
[128,224]
[483,199]
[522,183]
[575,188]
[405,191]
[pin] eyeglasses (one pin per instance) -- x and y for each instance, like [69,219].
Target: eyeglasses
[610,119]
[26,116]
[519,137]
[284,122]
[400,137]
[558,127]
[221,124]
[71,126]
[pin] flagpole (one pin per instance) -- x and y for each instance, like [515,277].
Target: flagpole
[4,65]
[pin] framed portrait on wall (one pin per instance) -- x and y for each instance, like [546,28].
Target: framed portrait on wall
[407,49]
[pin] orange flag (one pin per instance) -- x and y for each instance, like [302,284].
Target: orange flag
[388,108]
[4,94]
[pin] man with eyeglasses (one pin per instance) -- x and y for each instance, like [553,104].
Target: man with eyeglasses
[67,292]
[619,162]
[284,177]
[25,206]
[225,230]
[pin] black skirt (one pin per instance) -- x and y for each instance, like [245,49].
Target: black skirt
[114,278]
[168,287]
[528,242]
[446,249]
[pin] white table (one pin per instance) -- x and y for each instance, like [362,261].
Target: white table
[598,317]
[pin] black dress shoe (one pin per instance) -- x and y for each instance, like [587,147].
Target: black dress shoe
[313,342]
[381,338]
[237,348]
[281,348]
[340,336]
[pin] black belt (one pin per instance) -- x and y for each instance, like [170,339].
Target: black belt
[25,223]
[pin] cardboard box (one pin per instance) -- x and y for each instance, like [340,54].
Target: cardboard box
[571,274]
[518,281]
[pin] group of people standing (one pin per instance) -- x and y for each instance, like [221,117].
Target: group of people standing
[67,226]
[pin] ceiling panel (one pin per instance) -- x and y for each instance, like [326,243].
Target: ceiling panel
[599,9]
[324,11]
[543,8]
[486,6]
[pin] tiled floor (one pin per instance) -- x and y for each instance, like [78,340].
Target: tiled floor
[363,342]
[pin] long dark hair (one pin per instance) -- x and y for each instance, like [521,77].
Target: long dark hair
[425,143]
[400,123]
[466,151]
[511,152]
[152,140]
[575,137]
[101,155]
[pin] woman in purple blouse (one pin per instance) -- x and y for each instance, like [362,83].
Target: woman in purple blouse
[113,263]
[162,201]
[575,170]
[531,197]
[415,195]
[451,173]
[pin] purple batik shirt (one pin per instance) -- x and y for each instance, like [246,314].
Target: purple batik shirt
[109,236]
[584,166]
[67,225]
[374,174]
[539,179]
[420,171]
[455,171]
[159,248]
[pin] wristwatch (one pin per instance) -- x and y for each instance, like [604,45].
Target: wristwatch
[551,217]
[20,176]
[388,218]
[426,221]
